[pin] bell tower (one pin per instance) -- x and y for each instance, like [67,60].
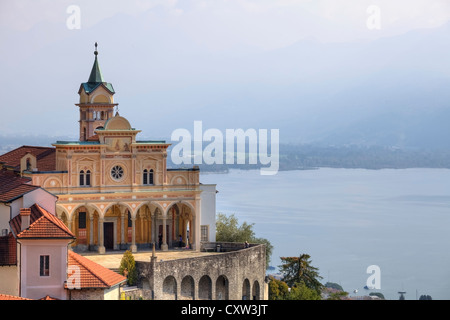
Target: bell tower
[96,102]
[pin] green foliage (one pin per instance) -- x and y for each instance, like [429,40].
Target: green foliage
[128,267]
[334,285]
[279,290]
[300,291]
[229,230]
[301,277]
[337,295]
[299,270]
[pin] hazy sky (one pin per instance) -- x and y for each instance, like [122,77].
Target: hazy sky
[174,59]
[263,23]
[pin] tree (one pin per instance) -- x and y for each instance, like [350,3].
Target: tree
[128,267]
[229,230]
[338,295]
[425,297]
[300,291]
[278,290]
[299,269]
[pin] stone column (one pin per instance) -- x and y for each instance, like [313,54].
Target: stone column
[149,229]
[192,233]
[133,235]
[164,246]
[184,231]
[196,223]
[69,225]
[154,236]
[164,170]
[91,231]
[122,228]
[142,228]
[101,245]
[177,226]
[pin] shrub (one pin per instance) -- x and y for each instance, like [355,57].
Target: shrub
[128,268]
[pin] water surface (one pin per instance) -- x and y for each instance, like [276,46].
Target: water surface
[349,219]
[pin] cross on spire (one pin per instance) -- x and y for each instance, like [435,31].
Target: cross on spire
[96,74]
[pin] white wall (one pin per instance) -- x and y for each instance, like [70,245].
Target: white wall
[16,205]
[39,196]
[4,217]
[208,199]
[9,280]
[42,198]
[112,293]
[34,286]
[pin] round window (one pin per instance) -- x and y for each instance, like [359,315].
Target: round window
[117,172]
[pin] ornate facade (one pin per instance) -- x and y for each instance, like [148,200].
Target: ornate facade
[115,191]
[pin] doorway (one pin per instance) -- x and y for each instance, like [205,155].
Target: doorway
[108,233]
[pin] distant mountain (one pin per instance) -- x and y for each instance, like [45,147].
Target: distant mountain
[391,91]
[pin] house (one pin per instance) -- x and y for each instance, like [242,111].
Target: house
[35,259]
[88,280]
[16,192]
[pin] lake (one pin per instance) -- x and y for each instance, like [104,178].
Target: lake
[350,219]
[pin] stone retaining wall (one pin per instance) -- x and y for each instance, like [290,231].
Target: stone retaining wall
[236,274]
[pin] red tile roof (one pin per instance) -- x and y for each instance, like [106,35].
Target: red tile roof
[93,275]
[8,250]
[13,186]
[43,225]
[45,157]
[10,297]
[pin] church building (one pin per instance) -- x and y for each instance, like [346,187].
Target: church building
[113,190]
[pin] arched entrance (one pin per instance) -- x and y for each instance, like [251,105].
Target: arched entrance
[246,290]
[188,288]
[170,288]
[179,225]
[205,288]
[222,288]
[255,291]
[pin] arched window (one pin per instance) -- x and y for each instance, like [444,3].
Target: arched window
[28,164]
[88,178]
[150,177]
[82,178]
[84,133]
[145,177]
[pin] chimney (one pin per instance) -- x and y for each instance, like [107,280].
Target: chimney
[25,217]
